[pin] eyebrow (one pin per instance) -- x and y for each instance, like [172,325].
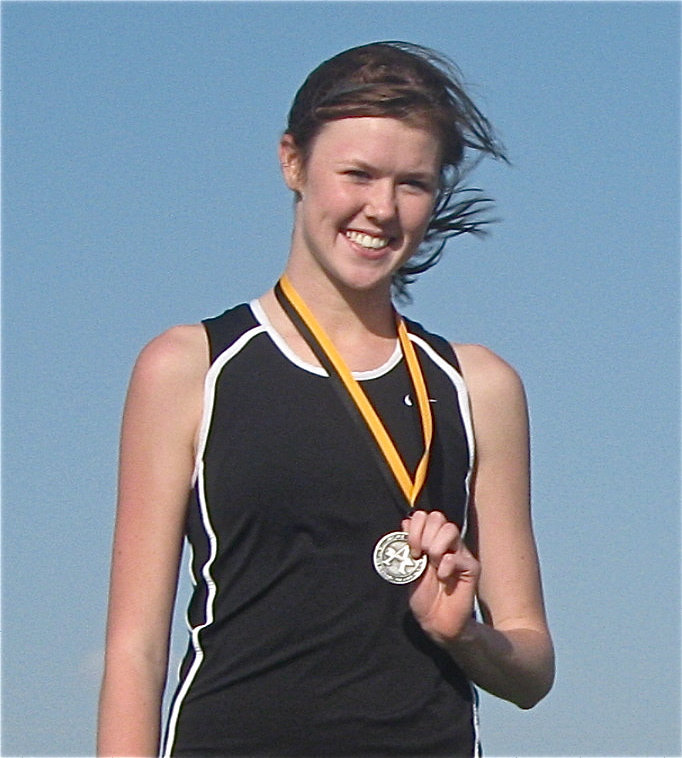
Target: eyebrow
[424,176]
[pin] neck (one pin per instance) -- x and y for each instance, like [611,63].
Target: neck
[344,312]
[360,325]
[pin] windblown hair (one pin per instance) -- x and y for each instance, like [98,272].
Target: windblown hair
[423,88]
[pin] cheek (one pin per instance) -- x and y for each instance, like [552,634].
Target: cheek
[418,215]
[333,201]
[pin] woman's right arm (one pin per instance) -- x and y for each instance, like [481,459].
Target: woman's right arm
[160,425]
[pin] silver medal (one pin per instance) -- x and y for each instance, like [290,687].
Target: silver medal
[393,561]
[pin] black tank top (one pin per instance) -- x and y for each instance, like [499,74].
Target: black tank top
[297,647]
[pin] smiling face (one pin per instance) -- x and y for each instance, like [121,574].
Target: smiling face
[365,196]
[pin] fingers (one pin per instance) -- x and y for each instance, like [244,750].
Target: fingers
[432,534]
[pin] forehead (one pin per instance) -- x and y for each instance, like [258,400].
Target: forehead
[379,139]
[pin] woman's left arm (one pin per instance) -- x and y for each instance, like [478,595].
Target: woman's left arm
[510,652]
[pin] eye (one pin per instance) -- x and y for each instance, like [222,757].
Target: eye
[420,185]
[357,174]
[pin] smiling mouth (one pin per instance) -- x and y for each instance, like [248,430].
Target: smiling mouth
[368,241]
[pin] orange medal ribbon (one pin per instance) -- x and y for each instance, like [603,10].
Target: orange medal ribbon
[410,488]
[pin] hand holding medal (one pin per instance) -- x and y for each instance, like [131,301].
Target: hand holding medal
[443,600]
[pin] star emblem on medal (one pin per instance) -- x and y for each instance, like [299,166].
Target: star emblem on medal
[393,560]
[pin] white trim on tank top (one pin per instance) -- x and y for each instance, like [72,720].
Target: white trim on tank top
[282,345]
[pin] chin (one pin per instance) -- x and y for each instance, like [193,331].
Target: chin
[366,282]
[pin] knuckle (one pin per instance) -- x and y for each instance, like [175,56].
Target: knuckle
[452,532]
[437,516]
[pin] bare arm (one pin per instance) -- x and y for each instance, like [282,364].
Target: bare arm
[160,422]
[510,654]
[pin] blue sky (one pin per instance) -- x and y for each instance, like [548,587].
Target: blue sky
[140,189]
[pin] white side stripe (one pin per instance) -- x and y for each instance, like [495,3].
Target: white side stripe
[198,482]
[465,412]
[464,409]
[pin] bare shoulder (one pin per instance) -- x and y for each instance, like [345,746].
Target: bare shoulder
[488,376]
[165,396]
[178,355]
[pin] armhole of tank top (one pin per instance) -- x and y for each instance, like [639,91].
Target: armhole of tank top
[209,339]
[221,342]
[450,354]
[201,431]
[215,350]
[444,353]
[442,346]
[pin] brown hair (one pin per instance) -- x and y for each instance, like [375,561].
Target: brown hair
[422,87]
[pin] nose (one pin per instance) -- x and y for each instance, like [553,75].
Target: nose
[380,205]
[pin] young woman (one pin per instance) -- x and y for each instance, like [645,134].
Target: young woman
[351,485]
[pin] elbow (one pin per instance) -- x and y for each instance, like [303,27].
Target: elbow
[531,696]
[538,688]
[530,699]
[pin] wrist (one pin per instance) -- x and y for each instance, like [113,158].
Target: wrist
[463,639]
[468,636]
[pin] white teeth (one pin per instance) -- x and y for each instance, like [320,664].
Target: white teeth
[367,240]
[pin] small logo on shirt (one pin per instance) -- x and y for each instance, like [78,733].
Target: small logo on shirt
[408,401]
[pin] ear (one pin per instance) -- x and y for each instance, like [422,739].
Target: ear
[291,162]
